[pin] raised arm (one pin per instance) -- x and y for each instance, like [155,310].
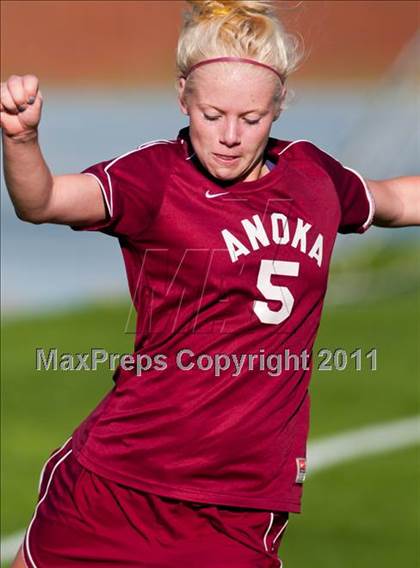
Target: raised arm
[397,201]
[37,195]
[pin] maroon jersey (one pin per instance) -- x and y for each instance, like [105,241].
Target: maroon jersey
[228,281]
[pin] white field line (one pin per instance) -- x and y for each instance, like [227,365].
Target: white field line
[322,454]
[368,441]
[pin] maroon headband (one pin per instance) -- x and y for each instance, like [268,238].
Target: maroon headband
[239,59]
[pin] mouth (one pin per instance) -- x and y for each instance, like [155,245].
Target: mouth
[225,159]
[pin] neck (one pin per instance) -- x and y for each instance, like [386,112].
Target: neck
[259,170]
[264,170]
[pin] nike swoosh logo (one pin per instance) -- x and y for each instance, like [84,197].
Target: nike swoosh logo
[211,195]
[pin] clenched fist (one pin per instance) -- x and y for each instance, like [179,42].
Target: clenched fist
[20,106]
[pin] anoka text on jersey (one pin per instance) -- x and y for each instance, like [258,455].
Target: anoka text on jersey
[299,235]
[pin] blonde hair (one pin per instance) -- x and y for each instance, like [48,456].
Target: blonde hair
[235,28]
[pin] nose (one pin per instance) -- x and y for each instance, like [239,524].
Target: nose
[230,135]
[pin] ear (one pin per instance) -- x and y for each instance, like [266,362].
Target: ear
[181,96]
[279,104]
[277,111]
[276,116]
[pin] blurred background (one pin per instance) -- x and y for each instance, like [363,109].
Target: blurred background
[107,73]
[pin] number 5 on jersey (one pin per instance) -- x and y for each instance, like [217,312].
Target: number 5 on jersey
[273,292]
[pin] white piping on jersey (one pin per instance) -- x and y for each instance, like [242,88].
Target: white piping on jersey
[26,543]
[291,144]
[369,196]
[110,203]
[270,524]
[154,142]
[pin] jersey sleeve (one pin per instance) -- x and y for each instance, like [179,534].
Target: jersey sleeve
[356,202]
[132,188]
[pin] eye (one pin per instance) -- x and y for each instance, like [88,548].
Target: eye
[254,121]
[208,117]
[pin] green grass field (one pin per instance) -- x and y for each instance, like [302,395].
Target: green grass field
[364,513]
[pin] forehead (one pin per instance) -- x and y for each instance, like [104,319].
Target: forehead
[234,85]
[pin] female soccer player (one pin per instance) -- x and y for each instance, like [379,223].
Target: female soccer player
[197,455]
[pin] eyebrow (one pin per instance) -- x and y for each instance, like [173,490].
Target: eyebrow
[258,111]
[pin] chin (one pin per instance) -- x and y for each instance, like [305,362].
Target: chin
[227,178]
[224,174]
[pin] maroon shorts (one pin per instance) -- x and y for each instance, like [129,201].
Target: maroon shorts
[83,519]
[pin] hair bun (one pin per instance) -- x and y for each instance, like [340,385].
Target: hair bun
[203,9]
